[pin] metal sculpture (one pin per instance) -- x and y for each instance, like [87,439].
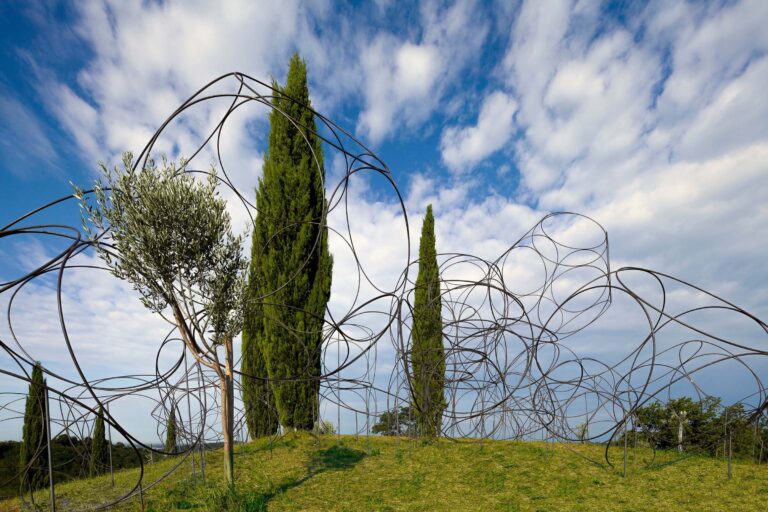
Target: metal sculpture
[514,366]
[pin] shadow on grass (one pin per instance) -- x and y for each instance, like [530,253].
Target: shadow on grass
[337,457]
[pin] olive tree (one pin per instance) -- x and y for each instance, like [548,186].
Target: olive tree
[170,236]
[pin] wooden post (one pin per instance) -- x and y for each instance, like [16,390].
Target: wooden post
[202,420]
[725,436]
[141,497]
[227,414]
[189,412]
[338,390]
[316,416]
[50,457]
[625,448]
[367,420]
[111,469]
[754,442]
[730,454]
[367,412]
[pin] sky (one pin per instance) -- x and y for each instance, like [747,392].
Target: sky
[650,117]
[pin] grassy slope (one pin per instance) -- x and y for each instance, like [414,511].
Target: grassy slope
[298,473]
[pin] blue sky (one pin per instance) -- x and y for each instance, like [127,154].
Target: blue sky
[650,117]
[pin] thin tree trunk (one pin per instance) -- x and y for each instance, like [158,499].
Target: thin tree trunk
[227,414]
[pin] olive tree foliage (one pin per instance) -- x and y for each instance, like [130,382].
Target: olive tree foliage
[170,236]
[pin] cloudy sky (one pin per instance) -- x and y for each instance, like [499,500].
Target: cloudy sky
[649,117]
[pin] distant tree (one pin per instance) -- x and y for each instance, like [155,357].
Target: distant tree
[427,352]
[170,432]
[735,422]
[395,423]
[32,454]
[652,421]
[700,427]
[70,457]
[170,236]
[326,427]
[582,432]
[99,448]
[668,425]
[290,278]
[704,433]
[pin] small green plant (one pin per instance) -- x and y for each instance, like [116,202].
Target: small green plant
[326,428]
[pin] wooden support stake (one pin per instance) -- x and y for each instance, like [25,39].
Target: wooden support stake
[111,469]
[50,457]
[730,454]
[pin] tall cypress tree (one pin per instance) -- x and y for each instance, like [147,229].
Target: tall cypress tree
[99,448]
[170,432]
[427,354]
[32,456]
[290,266]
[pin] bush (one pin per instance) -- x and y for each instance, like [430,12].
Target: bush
[326,427]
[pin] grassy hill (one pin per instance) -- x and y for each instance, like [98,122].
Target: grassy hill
[300,472]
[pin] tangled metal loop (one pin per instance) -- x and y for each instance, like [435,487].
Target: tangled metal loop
[535,340]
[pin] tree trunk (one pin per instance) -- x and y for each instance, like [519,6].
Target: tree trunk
[227,415]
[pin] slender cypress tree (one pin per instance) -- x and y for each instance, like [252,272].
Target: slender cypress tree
[99,448]
[427,354]
[290,278]
[258,399]
[32,456]
[170,432]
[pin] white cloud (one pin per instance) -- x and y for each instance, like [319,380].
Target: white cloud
[734,118]
[670,162]
[673,166]
[464,147]
[396,87]
[710,46]
[404,80]
[108,326]
[148,58]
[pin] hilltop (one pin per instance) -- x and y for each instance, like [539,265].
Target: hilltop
[300,472]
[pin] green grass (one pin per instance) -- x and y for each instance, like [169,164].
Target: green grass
[300,472]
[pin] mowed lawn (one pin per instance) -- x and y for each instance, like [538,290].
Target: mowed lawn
[300,472]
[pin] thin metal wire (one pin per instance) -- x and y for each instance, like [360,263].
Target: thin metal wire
[512,325]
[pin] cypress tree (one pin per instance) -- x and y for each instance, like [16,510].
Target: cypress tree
[32,456]
[258,399]
[99,448]
[290,266]
[170,432]
[427,354]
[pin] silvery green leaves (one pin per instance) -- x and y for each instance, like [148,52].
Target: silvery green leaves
[222,290]
[169,235]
